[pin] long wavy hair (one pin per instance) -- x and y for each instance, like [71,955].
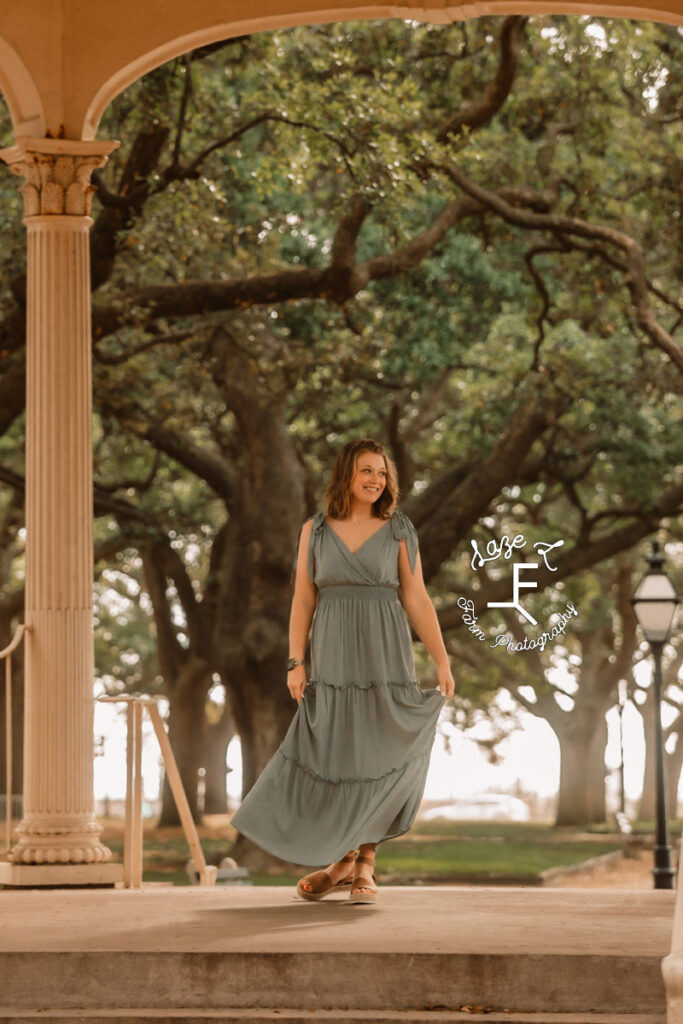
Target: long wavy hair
[338,490]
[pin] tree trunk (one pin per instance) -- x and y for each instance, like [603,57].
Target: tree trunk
[673,765]
[581,798]
[218,737]
[253,601]
[262,720]
[597,792]
[187,734]
[572,801]
[268,720]
[646,807]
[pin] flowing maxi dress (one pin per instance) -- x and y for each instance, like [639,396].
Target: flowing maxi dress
[353,764]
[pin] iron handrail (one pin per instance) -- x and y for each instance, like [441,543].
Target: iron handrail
[6,653]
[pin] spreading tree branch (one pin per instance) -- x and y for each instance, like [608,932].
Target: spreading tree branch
[170,651]
[557,224]
[143,306]
[483,110]
[581,556]
[207,465]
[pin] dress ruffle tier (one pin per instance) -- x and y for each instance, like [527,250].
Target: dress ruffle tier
[353,764]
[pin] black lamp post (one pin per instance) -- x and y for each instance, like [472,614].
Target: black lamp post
[655,602]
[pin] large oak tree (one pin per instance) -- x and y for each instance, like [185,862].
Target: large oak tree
[454,238]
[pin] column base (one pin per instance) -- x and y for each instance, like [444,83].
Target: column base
[31,876]
[46,839]
[672,970]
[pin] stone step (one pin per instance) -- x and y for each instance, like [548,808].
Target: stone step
[420,952]
[532,983]
[282,1016]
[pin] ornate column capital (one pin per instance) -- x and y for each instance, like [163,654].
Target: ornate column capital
[57,173]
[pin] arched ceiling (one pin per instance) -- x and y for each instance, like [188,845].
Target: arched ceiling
[63,61]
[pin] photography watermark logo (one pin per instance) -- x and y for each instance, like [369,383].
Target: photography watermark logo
[505,548]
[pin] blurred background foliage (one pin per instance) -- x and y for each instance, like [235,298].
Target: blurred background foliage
[238,163]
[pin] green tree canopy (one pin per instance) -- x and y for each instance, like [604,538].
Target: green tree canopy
[461,239]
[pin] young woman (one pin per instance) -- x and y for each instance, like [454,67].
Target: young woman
[352,768]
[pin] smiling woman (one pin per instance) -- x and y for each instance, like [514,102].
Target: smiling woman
[351,770]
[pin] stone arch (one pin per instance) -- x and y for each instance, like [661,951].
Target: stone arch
[176,46]
[20,92]
[266,16]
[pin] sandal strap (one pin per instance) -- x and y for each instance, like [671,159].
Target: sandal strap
[319,881]
[362,882]
[360,877]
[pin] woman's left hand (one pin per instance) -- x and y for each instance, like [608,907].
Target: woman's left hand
[445,680]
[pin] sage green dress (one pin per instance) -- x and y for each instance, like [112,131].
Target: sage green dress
[353,765]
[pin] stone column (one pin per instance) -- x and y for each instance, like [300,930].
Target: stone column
[58,831]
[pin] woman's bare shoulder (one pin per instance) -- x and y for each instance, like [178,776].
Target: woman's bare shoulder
[307,528]
[310,523]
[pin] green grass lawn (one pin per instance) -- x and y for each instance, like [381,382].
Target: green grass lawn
[435,850]
[485,855]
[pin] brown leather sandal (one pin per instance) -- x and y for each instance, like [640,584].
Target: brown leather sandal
[361,882]
[322,884]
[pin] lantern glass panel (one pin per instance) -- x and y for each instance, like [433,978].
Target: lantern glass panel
[655,602]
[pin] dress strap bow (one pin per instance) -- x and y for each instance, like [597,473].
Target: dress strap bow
[316,534]
[314,546]
[403,529]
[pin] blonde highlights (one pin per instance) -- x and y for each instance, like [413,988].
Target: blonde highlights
[338,490]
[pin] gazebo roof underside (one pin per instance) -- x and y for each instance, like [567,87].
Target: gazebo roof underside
[61,63]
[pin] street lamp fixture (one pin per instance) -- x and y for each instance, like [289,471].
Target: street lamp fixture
[655,603]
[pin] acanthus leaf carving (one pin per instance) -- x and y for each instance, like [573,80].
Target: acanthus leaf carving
[57,173]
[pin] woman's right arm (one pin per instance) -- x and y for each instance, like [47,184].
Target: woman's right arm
[303,608]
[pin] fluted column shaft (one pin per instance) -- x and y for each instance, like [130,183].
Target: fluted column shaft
[58,822]
[59,825]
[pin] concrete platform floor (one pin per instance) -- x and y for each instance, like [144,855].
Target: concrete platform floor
[407,919]
[427,949]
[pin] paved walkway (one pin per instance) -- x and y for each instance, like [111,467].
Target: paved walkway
[620,873]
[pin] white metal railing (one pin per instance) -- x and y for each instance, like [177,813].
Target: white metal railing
[7,655]
[132,836]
